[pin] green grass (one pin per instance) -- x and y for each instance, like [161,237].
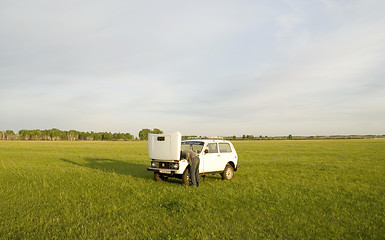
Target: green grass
[330,189]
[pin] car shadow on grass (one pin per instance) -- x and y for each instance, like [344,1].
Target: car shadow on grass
[113,166]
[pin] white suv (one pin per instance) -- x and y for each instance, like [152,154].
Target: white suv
[216,156]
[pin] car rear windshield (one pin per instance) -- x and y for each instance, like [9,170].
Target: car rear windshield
[192,145]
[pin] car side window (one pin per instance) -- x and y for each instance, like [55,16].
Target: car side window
[224,148]
[212,147]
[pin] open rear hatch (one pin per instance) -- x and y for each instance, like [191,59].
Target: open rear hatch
[164,146]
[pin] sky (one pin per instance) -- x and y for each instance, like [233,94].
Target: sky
[206,68]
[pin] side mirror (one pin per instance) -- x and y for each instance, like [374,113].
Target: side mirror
[206,151]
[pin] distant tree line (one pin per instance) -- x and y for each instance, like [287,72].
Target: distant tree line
[291,137]
[55,134]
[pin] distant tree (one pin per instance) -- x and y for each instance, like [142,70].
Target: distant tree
[10,135]
[81,136]
[98,136]
[290,137]
[106,136]
[72,135]
[44,135]
[90,136]
[157,131]
[24,134]
[117,136]
[143,134]
[54,134]
[62,135]
[128,136]
[36,134]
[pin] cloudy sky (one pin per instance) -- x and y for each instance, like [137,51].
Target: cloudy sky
[213,67]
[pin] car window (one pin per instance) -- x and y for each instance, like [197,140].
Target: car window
[212,147]
[195,146]
[224,148]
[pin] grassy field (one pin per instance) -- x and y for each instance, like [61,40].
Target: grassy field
[330,189]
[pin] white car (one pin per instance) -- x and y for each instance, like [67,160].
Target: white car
[216,156]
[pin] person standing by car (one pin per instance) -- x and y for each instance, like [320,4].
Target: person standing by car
[193,159]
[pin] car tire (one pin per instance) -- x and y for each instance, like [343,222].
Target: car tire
[159,177]
[186,176]
[228,173]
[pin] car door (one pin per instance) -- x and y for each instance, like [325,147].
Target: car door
[211,158]
[196,146]
[227,154]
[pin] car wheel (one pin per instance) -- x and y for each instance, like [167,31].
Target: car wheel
[159,177]
[228,173]
[186,176]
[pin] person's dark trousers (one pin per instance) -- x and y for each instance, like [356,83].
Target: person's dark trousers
[194,171]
